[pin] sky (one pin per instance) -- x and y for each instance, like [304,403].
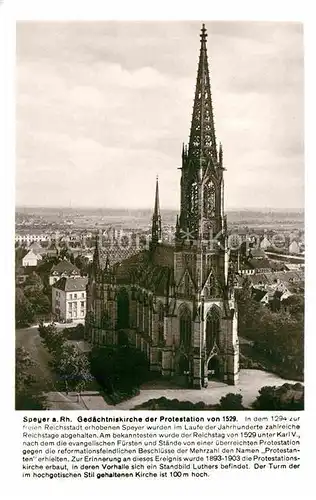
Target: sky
[103,107]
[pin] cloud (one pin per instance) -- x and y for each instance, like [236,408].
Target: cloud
[103,107]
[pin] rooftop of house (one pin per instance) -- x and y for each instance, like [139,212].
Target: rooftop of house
[256,253]
[258,294]
[256,264]
[270,278]
[32,253]
[71,284]
[64,266]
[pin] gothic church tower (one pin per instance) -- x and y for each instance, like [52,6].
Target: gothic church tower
[208,338]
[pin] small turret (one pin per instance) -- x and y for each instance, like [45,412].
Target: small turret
[220,154]
[156,232]
[96,267]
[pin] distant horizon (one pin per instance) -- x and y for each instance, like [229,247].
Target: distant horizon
[162,209]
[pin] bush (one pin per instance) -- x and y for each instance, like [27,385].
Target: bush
[231,402]
[119,369]
[75,333]
[174,405]
[284,397]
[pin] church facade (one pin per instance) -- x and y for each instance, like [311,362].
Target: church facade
[176,302]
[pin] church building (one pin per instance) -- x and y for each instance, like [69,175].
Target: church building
[176,302]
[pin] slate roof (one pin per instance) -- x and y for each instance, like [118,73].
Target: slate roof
[37,248]
[270,278]
[152,271]
[71,284]
[63,267]
[257,253]
[259,264]
[116,253]
[258,294]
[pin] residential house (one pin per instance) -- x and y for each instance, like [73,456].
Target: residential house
[265,243]
[294,247]
[31,259]
[69,299]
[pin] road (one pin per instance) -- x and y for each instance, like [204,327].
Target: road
[29,339]
[250,381]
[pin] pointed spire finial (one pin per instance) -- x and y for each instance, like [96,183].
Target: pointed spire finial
[156,220]
[220,154]
[203,34]
[202,142]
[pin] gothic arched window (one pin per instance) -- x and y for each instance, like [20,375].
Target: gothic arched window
[187,285]
[212,328]
[161,316]
[185,327]
[209,196]
[146,316]
[122,309]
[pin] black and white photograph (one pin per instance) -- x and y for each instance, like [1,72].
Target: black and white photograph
[159,215]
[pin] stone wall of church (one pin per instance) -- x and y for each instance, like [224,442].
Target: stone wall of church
[166,354]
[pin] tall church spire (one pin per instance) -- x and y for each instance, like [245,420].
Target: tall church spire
[202,143]
[202,187]
[156,220]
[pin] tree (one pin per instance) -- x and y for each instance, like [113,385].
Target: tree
[24,313]
[118,367]
[231,402]
[294,304]
[278,336]
[29,393]
[52,338]
[40,303]
[248,308]
[70,365]
[65,253]
[33,283]
[83,264]
[72,368]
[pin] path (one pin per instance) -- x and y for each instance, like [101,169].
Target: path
[250,381]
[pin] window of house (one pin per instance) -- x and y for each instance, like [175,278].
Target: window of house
[82,295]
[75,296]
[70,296]
[82,304]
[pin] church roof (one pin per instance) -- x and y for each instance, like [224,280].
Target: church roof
[150,270]
[116,253]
